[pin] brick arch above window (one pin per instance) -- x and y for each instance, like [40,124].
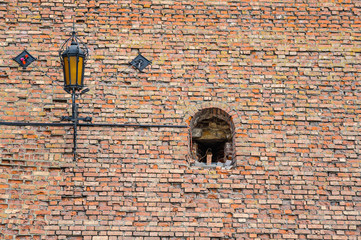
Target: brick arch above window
[228,109]
[192,110]
[211,112]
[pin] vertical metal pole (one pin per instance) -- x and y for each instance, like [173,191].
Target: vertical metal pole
[75,122]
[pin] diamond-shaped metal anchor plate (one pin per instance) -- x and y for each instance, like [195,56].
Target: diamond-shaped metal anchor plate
[140,62]
[24,59]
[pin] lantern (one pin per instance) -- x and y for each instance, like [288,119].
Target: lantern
[73,61]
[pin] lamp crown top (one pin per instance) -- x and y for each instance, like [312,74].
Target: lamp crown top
[73,46]
[73,38]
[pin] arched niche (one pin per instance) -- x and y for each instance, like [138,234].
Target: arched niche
[211,138]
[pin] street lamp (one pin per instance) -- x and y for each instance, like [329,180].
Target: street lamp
[73,55]
[73,60]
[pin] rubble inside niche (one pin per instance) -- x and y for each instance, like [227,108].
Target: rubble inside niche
[227,165]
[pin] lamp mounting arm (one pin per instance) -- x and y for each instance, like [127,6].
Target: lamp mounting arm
[75,118]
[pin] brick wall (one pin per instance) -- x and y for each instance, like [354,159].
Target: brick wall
[287,72]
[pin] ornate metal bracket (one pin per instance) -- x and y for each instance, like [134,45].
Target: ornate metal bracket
[24,59]
[75,118]
[140,62]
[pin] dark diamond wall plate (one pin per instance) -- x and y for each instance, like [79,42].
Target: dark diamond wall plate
[24,59]
[140,62]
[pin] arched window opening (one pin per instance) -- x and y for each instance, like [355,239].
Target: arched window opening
[212,138]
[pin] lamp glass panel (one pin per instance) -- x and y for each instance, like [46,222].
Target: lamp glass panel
[73,67]
[66,71]
[80,70]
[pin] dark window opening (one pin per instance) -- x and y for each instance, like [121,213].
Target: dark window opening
[213,148]
[212,138]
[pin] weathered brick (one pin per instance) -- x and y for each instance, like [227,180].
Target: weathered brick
[285,75]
